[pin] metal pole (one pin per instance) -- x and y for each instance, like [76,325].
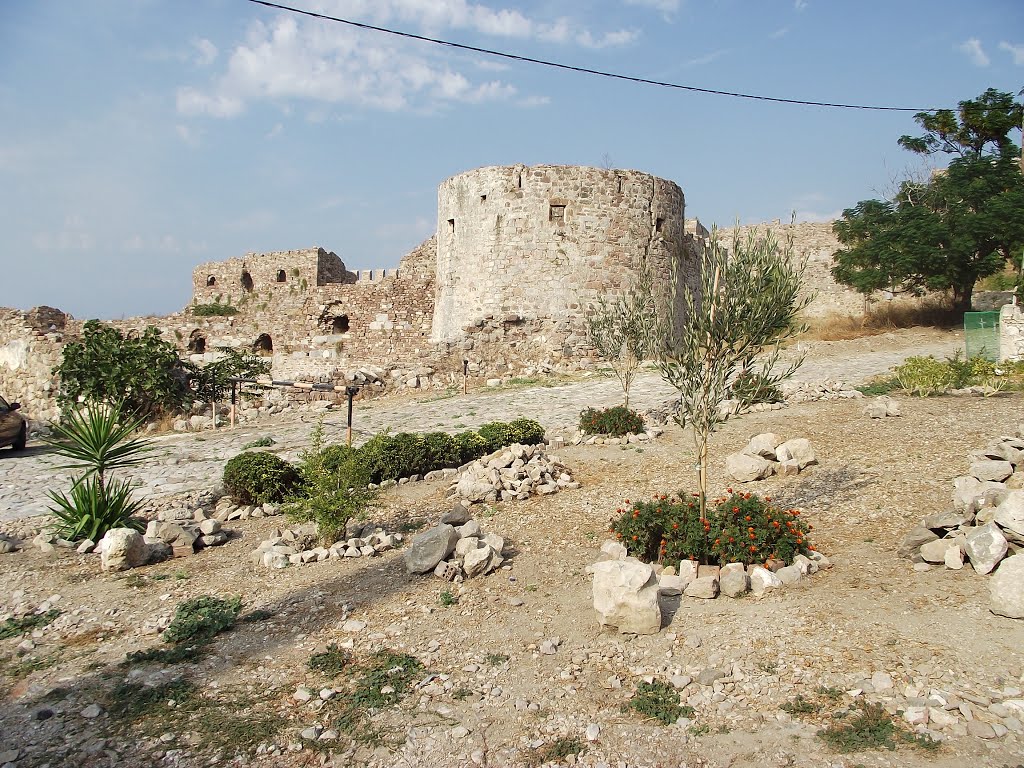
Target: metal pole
[465,376]
[234,397]
[350,391]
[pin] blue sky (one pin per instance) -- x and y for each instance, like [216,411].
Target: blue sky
[139,139]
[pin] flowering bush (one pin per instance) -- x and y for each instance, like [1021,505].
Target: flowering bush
[611,421]
[738,528]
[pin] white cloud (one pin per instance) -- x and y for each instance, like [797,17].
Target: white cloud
[206,52]
[972,47]
[288,59]
[706,58]
[72,236]
[780,32]
[1016,51]
[665,6]
[799,4]
[274,132]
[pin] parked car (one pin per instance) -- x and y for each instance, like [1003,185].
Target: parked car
[13,427]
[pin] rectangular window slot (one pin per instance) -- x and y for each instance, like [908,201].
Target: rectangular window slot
[451,226]
[658,223]
[483,198]
[557,214]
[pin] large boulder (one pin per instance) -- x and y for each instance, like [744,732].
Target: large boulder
[744,468]
[477,561]
[626,596]
[798,449]
[1006,588]
[985,547]
[971,494]
[991,469]
[734,580]
[122,549]
[1010,513]
[430,548]
[763,445]
[912,542]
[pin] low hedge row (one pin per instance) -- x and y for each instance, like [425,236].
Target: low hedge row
[257,477]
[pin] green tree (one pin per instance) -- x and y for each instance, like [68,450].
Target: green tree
[142,375]
[212,382]
[724,330]
[622,330]
[963,224]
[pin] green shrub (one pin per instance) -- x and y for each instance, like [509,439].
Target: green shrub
[923,376]
[199,619]
[660,701]
[497,434]
[214,310]
[527,431]
[377,455]
[442,450]
[333,488]
[740,528]
[97,440]
[611,421]
[258,477]
[471,446]
[410,454]
[751,387]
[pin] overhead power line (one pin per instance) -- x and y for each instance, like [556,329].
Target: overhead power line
[583,70]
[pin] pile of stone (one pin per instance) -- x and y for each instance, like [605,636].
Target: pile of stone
[300,544]
[630,595]
[515,472]
[456,549]
[881,407]
[227,510]
[985,527]
[9,544]
[766,455]
[810,391]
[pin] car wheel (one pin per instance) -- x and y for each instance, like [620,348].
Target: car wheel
[21,439]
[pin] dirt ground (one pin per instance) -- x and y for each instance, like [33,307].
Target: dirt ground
[486,695]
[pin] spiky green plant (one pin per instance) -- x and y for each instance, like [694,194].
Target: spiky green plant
[96,440]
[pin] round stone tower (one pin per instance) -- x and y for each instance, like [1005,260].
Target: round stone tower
[545,241]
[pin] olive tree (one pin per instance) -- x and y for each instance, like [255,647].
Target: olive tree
[622,331]
[723,328]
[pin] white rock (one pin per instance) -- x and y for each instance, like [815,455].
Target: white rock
[593,732]
[991,469]
[763,445]
[477,561]
[1006,588]
[985,547]
[626,596]
[1010,513]
[121,549]
[353,625]
[798,449]
[746,469]
[762,580]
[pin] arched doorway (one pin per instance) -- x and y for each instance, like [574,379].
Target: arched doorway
[246,281]
[340,324]
[196,342]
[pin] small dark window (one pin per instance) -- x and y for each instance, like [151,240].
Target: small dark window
[557,214]
[519,180]
[658,224]
[451,226]
[281,276]
[483,198]
[246,281]
[619,179]
[211,281]
[263,345]
[340,324]
[196,343]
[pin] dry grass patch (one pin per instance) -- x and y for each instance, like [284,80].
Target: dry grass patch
[882,318]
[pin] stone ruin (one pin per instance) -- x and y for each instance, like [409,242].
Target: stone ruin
[518,256]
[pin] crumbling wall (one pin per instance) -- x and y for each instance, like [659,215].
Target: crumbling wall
[31,346]
[1011,333]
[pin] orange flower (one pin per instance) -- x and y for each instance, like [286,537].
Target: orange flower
[675,526]
[747,518]
[717,542]
[736,511]
[750,535]
[731,540]
[635,537]
[636,513]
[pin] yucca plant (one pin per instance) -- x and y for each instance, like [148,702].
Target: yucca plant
[97,440]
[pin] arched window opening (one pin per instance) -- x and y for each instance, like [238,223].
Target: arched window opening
[340,324]
[246,281]
[211,281]
[196,342]
[281,277]
[264,345]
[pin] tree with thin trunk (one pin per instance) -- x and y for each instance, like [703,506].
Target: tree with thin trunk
[722,331]
[622,331]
